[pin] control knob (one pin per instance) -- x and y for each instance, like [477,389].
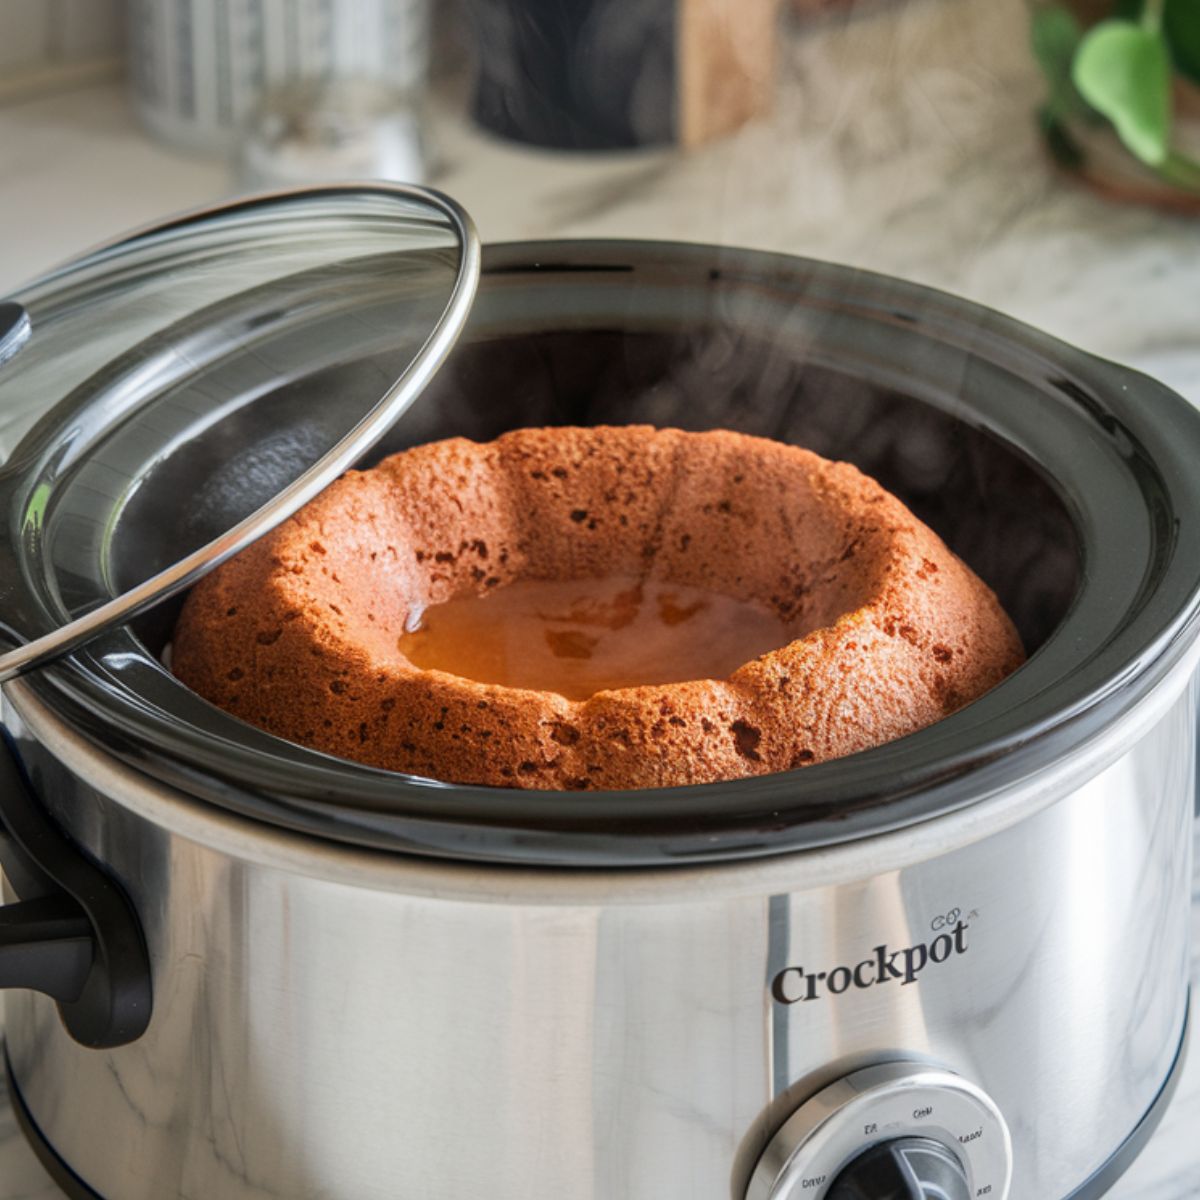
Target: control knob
[894,1131]
[910,1168]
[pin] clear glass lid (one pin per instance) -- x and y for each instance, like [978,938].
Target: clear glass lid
[135,358]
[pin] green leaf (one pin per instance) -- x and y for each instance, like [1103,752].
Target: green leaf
[1124,71]
[1181,23]
[1181,172]
[1054,35]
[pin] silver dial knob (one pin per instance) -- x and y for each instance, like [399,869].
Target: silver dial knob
[876,1131]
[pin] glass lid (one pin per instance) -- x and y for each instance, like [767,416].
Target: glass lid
[171,341]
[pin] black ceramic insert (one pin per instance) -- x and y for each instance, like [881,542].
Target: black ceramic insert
[1066,482]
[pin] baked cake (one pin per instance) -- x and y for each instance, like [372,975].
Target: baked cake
[881,629]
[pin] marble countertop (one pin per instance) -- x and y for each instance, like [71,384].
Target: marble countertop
[903,141]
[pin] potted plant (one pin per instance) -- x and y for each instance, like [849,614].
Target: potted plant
[1123,105]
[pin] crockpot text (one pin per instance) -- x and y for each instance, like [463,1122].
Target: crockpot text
[794,984]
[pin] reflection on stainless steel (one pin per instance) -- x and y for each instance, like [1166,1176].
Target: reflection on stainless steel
[326,1018]
[396,395]
[14,329]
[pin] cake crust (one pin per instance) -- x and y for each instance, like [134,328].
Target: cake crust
[299,634]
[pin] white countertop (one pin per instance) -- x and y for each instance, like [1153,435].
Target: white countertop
[903,142]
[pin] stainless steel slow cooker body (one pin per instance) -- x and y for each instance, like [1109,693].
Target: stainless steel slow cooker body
[373,986]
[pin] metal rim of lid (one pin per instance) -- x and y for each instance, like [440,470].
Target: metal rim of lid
[339,458]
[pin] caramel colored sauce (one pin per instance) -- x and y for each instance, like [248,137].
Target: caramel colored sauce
[579,637]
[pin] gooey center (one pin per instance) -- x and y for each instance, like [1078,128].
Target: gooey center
[579,637]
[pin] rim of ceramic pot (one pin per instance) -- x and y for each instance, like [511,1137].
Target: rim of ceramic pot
[1117,448]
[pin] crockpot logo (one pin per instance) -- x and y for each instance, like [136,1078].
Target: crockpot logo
[794,984]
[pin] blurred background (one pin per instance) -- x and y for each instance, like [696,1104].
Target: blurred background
[942,140]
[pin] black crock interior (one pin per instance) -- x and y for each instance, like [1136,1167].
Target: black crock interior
[1026,456]
[989,503]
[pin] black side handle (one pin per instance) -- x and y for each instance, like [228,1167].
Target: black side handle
[73,933]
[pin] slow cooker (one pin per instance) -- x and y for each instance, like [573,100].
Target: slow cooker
[951,967]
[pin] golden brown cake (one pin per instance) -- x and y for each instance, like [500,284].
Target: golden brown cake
[887,630]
